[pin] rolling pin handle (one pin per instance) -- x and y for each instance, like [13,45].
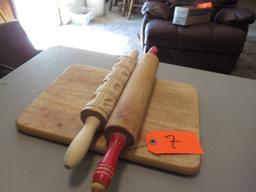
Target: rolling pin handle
[134,54]
[153,50]
[81,143]
[106,168]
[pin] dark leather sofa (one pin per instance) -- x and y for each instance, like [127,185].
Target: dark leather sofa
[213,46]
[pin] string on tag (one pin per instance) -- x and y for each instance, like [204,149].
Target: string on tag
[134,148]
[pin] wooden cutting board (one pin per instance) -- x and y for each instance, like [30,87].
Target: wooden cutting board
[55,115]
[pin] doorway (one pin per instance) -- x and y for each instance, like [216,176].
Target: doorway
[39,18]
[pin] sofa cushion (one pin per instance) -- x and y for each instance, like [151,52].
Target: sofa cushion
[222,3]
[238,15]
[158,9]
[218,3]
[208,37]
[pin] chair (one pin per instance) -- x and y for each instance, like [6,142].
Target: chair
[213,46]
[15,47]
[121,3]
[134,4]
[124,4]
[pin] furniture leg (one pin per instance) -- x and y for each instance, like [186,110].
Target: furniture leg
[123,7]
[110,5]
[130,8]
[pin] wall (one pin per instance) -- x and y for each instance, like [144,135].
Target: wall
[6,7]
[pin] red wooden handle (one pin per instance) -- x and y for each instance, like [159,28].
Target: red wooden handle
[106,168]
[153,50]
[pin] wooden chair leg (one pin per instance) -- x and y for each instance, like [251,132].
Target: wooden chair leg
[110,5]
[115,2]
[130,9]
[123,7]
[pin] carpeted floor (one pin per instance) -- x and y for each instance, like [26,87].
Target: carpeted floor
[112,34]
[246,65]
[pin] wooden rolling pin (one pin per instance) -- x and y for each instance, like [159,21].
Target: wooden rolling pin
[97,111]
[127,118]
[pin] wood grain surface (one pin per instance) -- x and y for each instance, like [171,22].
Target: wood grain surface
[107,94]
[55,115]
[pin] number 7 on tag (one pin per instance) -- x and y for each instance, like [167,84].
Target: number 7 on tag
[173,142]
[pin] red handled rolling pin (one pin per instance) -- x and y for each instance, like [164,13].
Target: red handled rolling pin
[97,111]
[126,119]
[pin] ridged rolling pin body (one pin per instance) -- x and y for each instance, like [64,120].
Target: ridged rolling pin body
[127,118]
[97,111]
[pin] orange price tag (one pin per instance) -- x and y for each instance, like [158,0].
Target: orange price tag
[205,5]
[173,142]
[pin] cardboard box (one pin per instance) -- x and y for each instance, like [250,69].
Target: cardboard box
[190,15]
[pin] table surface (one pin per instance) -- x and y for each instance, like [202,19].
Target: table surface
[227,120]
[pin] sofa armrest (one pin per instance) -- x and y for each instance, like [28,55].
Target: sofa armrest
[235,16]
[159,9]
[147,17]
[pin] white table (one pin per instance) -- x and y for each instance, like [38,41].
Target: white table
[228,131]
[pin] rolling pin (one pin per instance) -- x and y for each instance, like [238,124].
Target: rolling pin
[97,111]
[126,120]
